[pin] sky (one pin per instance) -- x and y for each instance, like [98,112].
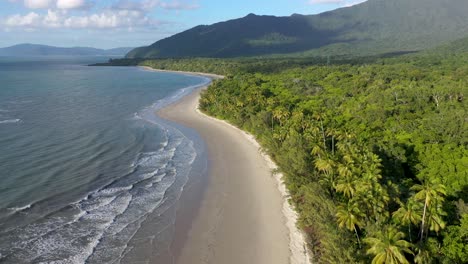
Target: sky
[131,23]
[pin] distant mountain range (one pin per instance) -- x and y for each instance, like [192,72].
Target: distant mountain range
[373,27]
[43,50]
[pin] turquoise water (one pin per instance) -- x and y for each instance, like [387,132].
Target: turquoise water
[84,162]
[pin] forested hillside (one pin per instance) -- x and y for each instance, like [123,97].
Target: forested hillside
[375,153]
[373,27]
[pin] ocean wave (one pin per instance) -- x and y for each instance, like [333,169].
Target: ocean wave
[10,121]
[19,209]
[136,116]
[98,227]
[178,94]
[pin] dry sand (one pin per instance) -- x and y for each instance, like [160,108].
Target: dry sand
[244,216]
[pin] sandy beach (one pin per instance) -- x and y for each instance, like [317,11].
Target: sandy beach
[209,75]
[243,217]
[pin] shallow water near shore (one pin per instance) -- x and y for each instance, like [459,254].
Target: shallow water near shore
[88,173]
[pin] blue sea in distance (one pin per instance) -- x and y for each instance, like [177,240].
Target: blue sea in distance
[88,172]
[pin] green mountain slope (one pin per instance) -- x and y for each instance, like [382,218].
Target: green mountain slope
[456,47]
[376,26]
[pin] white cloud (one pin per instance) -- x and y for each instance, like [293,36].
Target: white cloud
[108,19]
[52,19]
[29,20]
[60,4]
[74,14]
[35,4]
[70,4]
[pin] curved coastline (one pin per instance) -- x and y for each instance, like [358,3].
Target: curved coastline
[265,230]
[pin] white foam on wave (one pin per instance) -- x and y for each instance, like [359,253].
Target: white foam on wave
[114,190]
[160,159]
[136,116]
[175,96]
[10,121]
[19,209]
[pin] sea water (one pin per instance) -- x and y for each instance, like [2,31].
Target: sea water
[88,172]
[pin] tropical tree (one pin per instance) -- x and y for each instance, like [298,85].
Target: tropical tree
[431,193]
[326,167]
[388,246]
[350,217]
[408,213]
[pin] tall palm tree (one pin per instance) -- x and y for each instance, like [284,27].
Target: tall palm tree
[349,216]
[327,168]
[432,193]
[388,246]
[434,218]
[408,214]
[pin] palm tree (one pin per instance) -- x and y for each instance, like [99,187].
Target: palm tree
[347,186]
[408,214]
[388,246]
[431,192]
[327,167]
[349,216]
[434,219]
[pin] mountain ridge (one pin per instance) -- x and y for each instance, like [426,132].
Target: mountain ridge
[372,27]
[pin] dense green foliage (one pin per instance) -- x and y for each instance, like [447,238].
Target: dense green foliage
[375,153]
[455,47]
[373,27]
[230,66]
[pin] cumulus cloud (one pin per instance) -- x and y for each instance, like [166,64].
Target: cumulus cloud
[70,4]
[103,20]
[73,14]
[60,4]
[28,20]
[35,4]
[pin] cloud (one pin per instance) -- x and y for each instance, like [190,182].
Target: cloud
[108,19]
[36,4]
[74,14]
[70,4]
[28,20]
[60,4]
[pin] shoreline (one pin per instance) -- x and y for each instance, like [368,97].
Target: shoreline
[212,76]
[295,238]
[297,244]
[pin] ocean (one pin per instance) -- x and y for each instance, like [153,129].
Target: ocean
[88,172]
